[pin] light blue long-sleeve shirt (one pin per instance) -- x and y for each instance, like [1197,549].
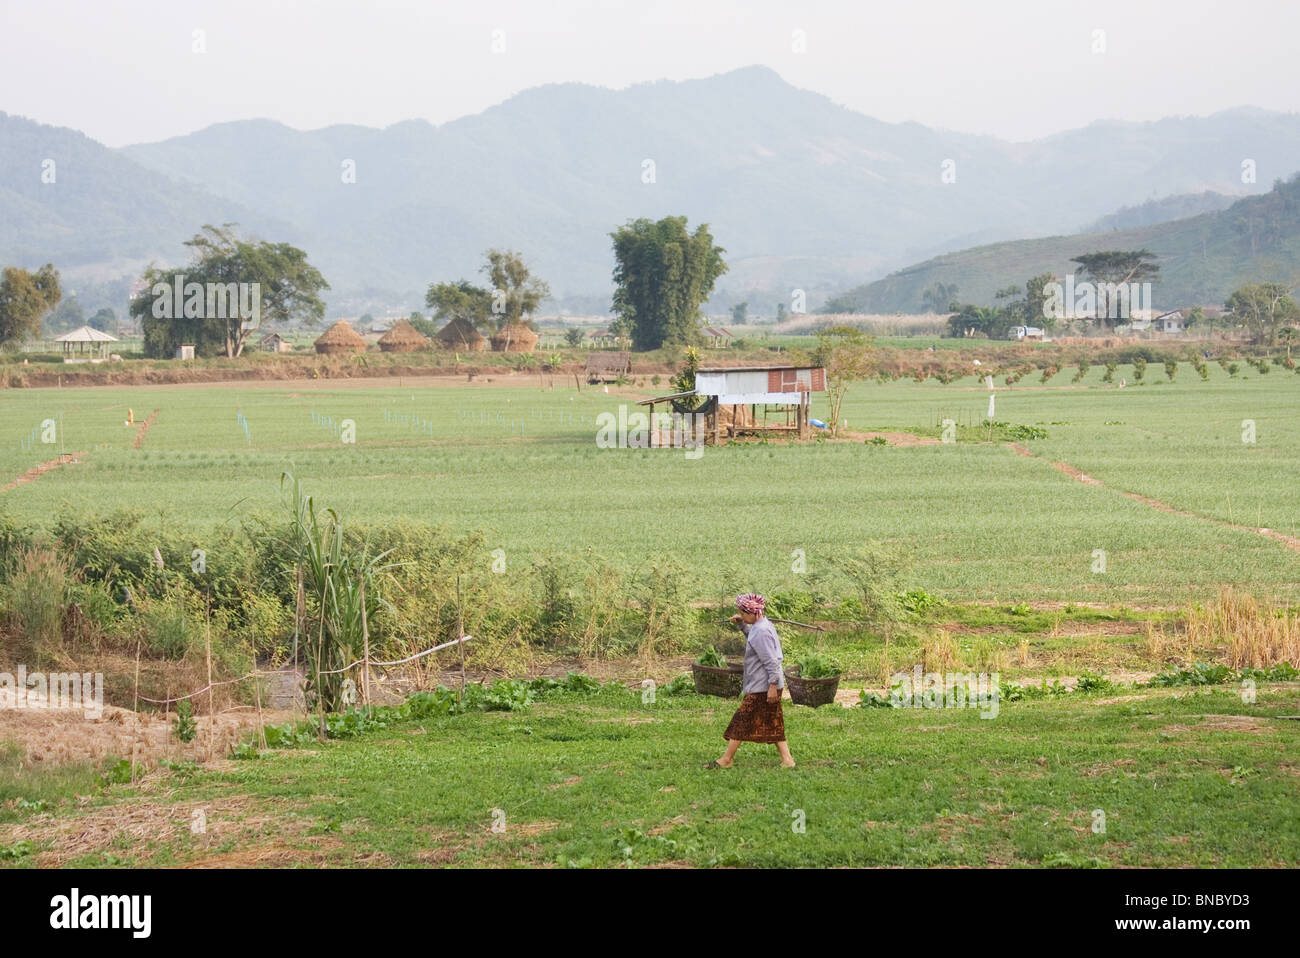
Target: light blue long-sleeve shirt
[763,657]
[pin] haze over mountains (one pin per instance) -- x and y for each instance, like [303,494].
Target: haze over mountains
[801,192]
[1202,258]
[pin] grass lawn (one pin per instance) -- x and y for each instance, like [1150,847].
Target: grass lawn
[1184,777]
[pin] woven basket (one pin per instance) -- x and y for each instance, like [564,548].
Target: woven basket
[724,683]
[812,692]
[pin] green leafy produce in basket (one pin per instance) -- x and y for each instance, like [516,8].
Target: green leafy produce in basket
[712,659]
[817,665]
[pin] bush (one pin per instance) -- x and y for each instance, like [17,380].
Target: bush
[875,571]
[1092,682]
[918,601]
[35,598]
[185,726]
[170,626]
[793,604]
[1202,673]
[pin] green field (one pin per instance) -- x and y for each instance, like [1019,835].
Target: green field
[521,464]
[1185,776]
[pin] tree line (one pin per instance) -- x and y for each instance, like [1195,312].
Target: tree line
[663,274]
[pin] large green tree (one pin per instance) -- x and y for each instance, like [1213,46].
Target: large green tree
[516,292]
[460,300]
[1114,268]
[1264,309]
[662,275]
[289,288]
[25,297]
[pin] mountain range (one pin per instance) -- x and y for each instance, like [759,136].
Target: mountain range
[1202,259]
[801,192]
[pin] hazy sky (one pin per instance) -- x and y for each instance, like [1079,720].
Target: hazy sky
[126,71]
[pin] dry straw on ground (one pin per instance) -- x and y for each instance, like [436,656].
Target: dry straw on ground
[1258,633]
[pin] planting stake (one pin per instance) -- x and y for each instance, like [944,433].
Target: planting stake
[365,643]
[207,641]
[460,637]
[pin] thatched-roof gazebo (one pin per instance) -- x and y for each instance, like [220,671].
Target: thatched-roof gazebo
[403,338]
[514,338]
[340,338]
[460,335]
[85,343]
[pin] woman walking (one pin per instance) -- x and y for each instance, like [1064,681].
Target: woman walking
[759,717]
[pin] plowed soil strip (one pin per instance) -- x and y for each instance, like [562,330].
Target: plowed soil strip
[1291,542]
[67,459]
[144,428]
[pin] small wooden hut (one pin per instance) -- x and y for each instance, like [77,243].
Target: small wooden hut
[274,343]
[403,338]
[340,338]
[608,367]
[460,335]
[745,400]
[514,338]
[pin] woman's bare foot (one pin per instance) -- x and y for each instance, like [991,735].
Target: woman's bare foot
[789,764]
[724,764]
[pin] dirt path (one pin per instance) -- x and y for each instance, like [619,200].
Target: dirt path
[144,428]
[67,459]
[1291,542]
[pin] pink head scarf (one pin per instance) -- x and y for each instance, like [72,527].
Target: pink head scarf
[751,602]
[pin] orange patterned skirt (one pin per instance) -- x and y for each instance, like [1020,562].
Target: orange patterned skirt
[757,720]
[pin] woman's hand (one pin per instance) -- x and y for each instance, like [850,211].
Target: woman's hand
[735,618]
[773,693]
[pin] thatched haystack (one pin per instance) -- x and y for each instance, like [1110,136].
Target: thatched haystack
[461,336]
[514,338]
[403,338]
[340,338]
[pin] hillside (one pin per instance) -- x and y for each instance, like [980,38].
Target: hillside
[1162,210]
[104,215]
[801,192]
[1202,258]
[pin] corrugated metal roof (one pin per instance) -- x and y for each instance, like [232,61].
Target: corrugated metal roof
[749,369]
